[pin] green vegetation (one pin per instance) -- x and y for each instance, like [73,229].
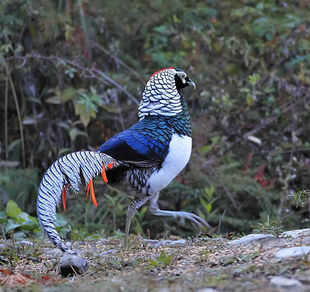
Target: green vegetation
[269,227]
[18,224]
[72,72]
[15,219]
[162,261]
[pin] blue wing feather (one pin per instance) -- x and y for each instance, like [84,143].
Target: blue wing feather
[146,143]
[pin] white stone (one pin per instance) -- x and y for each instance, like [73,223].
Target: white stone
[250,238]
[52,252]
[170,242]
[25,242]
[296,251]
[161,243]
[150,242]
[285,282]
[71,264]
[297,233]
[177,242]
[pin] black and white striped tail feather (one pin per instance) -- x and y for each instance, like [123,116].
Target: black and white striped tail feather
[71,170]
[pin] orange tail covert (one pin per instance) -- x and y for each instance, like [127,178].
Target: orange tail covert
[90,188]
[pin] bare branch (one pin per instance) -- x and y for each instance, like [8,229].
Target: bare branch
[121,62]
[84,71]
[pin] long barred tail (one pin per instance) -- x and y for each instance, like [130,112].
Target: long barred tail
[69,171]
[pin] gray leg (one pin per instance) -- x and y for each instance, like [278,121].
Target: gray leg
[132,209]
[154,209]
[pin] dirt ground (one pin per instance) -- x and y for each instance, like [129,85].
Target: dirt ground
[165,265]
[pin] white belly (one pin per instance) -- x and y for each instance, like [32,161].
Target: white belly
[180,149]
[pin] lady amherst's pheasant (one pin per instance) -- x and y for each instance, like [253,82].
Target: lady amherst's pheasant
[144,158]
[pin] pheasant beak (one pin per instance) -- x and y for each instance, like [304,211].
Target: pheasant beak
[191,83]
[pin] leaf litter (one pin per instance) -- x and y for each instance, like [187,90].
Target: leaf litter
[199,263]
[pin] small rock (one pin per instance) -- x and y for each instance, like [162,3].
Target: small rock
[53,252]
[2,246]
[285,282]
[297,233]
[71,264]
[206,290]
[162,243]
[177,242]
[250,238]
[150,242]
[68,244]
[170,242]
[237,272]
[25,242]
[297,251]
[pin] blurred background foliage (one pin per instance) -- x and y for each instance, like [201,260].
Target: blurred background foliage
[71,76]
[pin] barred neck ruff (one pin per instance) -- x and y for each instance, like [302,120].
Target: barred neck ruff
[161,96]
[181,123]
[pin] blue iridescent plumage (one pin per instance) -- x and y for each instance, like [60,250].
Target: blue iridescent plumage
[146,143]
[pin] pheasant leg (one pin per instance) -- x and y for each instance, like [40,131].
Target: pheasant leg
[154,209]
[132,210]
